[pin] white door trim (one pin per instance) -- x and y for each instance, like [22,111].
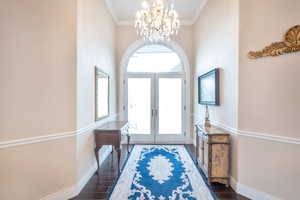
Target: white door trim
[123,77]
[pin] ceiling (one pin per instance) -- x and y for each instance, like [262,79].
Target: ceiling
[124,11]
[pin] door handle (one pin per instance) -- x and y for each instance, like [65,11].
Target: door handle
[154,112]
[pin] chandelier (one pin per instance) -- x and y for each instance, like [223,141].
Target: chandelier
[157,21]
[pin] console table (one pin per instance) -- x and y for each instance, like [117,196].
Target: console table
[212,153]
[110,134]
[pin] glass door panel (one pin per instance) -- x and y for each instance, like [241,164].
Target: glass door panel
[170,106]
[139,105]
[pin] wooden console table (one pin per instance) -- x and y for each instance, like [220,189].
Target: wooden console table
[212,153]
[110,134]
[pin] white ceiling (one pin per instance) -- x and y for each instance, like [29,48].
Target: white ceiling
[124,11]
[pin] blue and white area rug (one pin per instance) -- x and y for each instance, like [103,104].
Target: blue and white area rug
[160,172]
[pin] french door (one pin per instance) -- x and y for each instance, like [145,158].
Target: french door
[156,107]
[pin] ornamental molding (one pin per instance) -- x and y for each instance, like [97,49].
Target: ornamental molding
[290,44]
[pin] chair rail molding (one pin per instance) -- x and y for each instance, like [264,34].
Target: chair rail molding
[55,136]
[259,135]
[246,133]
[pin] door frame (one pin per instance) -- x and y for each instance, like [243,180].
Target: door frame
[122,72]
[155,137]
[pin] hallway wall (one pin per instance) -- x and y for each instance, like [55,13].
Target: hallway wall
[38,97]
[259,98]
[269,99]
[216,46]
[95,47]
[47,57]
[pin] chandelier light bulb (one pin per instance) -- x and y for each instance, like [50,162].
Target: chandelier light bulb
[145,4]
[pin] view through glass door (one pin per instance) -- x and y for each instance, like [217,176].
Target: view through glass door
[155,95]
[155,108]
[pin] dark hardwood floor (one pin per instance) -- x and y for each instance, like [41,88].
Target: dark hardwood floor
[99,187]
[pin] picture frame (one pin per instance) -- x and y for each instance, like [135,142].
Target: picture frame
[209,88]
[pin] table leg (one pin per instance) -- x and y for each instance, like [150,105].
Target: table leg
[118,150]
[197,148]
[97,158]
[128,142]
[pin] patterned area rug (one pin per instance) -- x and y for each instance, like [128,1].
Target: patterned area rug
[160,172]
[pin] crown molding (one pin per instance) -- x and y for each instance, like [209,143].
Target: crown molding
[112,11]
[198,11]
[131,22]
[55,136]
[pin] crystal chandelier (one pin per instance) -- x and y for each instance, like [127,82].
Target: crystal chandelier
[157,21]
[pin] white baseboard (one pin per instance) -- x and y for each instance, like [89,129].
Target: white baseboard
[74,190]
[250,192]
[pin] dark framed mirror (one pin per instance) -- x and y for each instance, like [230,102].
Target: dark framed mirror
[101,94]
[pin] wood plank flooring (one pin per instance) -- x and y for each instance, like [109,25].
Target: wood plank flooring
[98,187]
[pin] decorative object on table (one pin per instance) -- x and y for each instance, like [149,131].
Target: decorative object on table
[101,94]
[161,172]
[207,121]
[290,44]
[212,153]
[157,20]
[208,88]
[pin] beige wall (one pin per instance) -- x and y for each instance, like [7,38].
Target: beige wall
[33,171]
[269,93]
[44,93]
[38,95]
[216,46]
[264,99]
[37,58]
[269,99]
[95,46]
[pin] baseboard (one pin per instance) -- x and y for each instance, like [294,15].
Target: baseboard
[250,192]
[74,190]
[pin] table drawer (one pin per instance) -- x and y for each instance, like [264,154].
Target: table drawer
[107,139]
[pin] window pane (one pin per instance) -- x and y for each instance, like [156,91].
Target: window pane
[154,58]
[139,105]
[170,106]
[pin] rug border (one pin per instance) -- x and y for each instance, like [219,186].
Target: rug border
[189,153]
[118,177]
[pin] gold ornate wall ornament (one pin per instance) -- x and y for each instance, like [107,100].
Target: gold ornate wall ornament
[290,44]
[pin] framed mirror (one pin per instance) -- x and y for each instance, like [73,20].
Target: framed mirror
[101,94]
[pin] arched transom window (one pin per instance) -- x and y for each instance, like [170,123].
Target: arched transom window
[154,58]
